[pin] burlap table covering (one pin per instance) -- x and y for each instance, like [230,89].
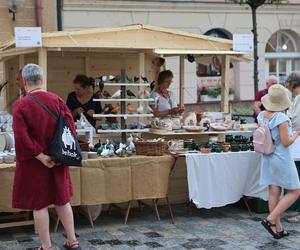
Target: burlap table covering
[116,180]
[150,176]
[6,185]
[106,180]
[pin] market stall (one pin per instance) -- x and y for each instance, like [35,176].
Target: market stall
[132,55]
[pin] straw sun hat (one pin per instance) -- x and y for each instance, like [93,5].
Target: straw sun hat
[277,99]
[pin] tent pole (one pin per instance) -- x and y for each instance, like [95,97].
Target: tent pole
[225,84]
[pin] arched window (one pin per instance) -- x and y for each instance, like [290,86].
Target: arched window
[219,32]
[282,54]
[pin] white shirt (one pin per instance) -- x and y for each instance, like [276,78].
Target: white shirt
[294,113]
[162,103]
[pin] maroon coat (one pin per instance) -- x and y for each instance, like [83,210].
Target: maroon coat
[35,185]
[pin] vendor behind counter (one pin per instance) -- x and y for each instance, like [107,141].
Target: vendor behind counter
[165,102]
[81,100]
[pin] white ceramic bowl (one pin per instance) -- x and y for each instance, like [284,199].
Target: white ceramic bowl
[92,155]
[85,155]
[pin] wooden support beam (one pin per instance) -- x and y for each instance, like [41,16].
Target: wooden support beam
[21,65]
[21,61]
[142,62]
[181,80]
[87,65]
[225,83]
[42,55]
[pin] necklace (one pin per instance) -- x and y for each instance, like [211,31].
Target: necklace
[34,90]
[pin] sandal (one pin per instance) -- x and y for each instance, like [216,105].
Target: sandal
[283,233]
[72,246]
[268,226]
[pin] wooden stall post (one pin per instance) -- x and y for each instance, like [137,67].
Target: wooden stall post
[87,65]
[21,65]
[123,104]
[21,61]
[225,84]
[42,55]
[181,80]
[141,74]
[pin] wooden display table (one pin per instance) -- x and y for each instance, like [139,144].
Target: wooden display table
[106,181]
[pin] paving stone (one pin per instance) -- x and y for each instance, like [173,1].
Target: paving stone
[153,244]
[226,228]
[152,234]
[114,242]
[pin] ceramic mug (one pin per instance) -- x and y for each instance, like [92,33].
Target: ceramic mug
[176,145]
[176,123]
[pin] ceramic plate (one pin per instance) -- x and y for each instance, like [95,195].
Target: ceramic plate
[2,142]
[12,140]
[7,139]
[193,128]
[219,126]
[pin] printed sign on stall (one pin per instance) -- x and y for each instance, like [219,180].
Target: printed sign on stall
[28,37]
[243,42]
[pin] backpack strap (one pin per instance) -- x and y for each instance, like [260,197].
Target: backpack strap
[44,106]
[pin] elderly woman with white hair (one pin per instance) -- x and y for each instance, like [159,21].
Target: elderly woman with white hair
[38,182]
[258,106]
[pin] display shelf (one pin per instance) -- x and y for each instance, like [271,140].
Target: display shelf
[182,132]
[122,115]
[117,84]
[123,100]
[101,131]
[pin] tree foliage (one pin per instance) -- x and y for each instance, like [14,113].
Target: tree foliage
[257,3]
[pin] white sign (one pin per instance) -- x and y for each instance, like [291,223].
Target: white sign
[243,42]
[28,37]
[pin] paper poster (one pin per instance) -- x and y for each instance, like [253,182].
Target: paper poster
[28,37]
[243,42]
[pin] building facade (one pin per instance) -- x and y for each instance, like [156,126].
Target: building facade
[278,32]
[28,13]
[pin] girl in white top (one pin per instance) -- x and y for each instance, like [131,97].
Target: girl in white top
[293,84]
[165,102]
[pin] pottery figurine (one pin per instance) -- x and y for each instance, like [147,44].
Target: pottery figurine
[190,119]
[105,151]
[176,122]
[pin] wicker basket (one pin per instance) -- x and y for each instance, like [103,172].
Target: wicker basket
[150,148]
[84,146]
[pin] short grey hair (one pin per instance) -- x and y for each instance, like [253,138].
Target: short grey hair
[272,77]
[32,74]
[293,80]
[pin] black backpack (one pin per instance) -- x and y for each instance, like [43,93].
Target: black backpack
[64,148]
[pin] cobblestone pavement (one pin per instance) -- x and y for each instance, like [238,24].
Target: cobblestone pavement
[223,228]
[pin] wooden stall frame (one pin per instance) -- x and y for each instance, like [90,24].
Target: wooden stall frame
[140,39]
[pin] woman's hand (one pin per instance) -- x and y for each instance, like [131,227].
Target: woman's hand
[177,110]
[46,160]
[78,111]
[181,110]
[90,112]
